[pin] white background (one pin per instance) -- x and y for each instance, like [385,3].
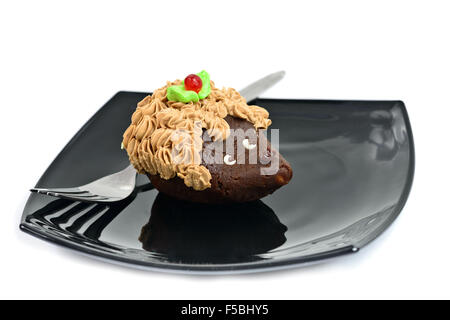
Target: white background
[61,60]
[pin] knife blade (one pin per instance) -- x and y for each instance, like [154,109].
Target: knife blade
[253,90]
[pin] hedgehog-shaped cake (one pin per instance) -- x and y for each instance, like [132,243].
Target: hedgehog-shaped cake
[203,144]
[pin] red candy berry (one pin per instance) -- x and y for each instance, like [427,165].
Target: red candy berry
[193,82]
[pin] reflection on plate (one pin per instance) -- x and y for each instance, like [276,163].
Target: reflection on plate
[200,233]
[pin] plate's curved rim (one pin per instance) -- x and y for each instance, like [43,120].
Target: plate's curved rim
[248,267]
[408,183]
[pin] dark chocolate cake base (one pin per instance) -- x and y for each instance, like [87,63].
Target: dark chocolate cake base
[232,183]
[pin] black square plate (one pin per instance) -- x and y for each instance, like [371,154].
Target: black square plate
[353,164]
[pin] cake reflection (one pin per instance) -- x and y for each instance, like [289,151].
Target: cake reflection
[187,232]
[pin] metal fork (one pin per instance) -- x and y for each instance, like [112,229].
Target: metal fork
[115,187]
[120,185]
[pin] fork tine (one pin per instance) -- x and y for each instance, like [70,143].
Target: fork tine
[76,198]
[58,190]
[114,187]
[86,195]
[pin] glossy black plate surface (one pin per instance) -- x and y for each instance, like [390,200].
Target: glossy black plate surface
[353,164]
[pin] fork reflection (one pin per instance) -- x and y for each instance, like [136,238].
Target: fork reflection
[81,220]
[177,231]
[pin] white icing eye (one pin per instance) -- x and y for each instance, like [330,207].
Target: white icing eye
[228,161]
[247,145]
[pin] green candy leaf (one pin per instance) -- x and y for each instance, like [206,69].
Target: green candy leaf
[179,93]
[206,84]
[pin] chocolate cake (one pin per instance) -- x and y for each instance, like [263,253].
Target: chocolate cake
[203,144]
[231,183]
